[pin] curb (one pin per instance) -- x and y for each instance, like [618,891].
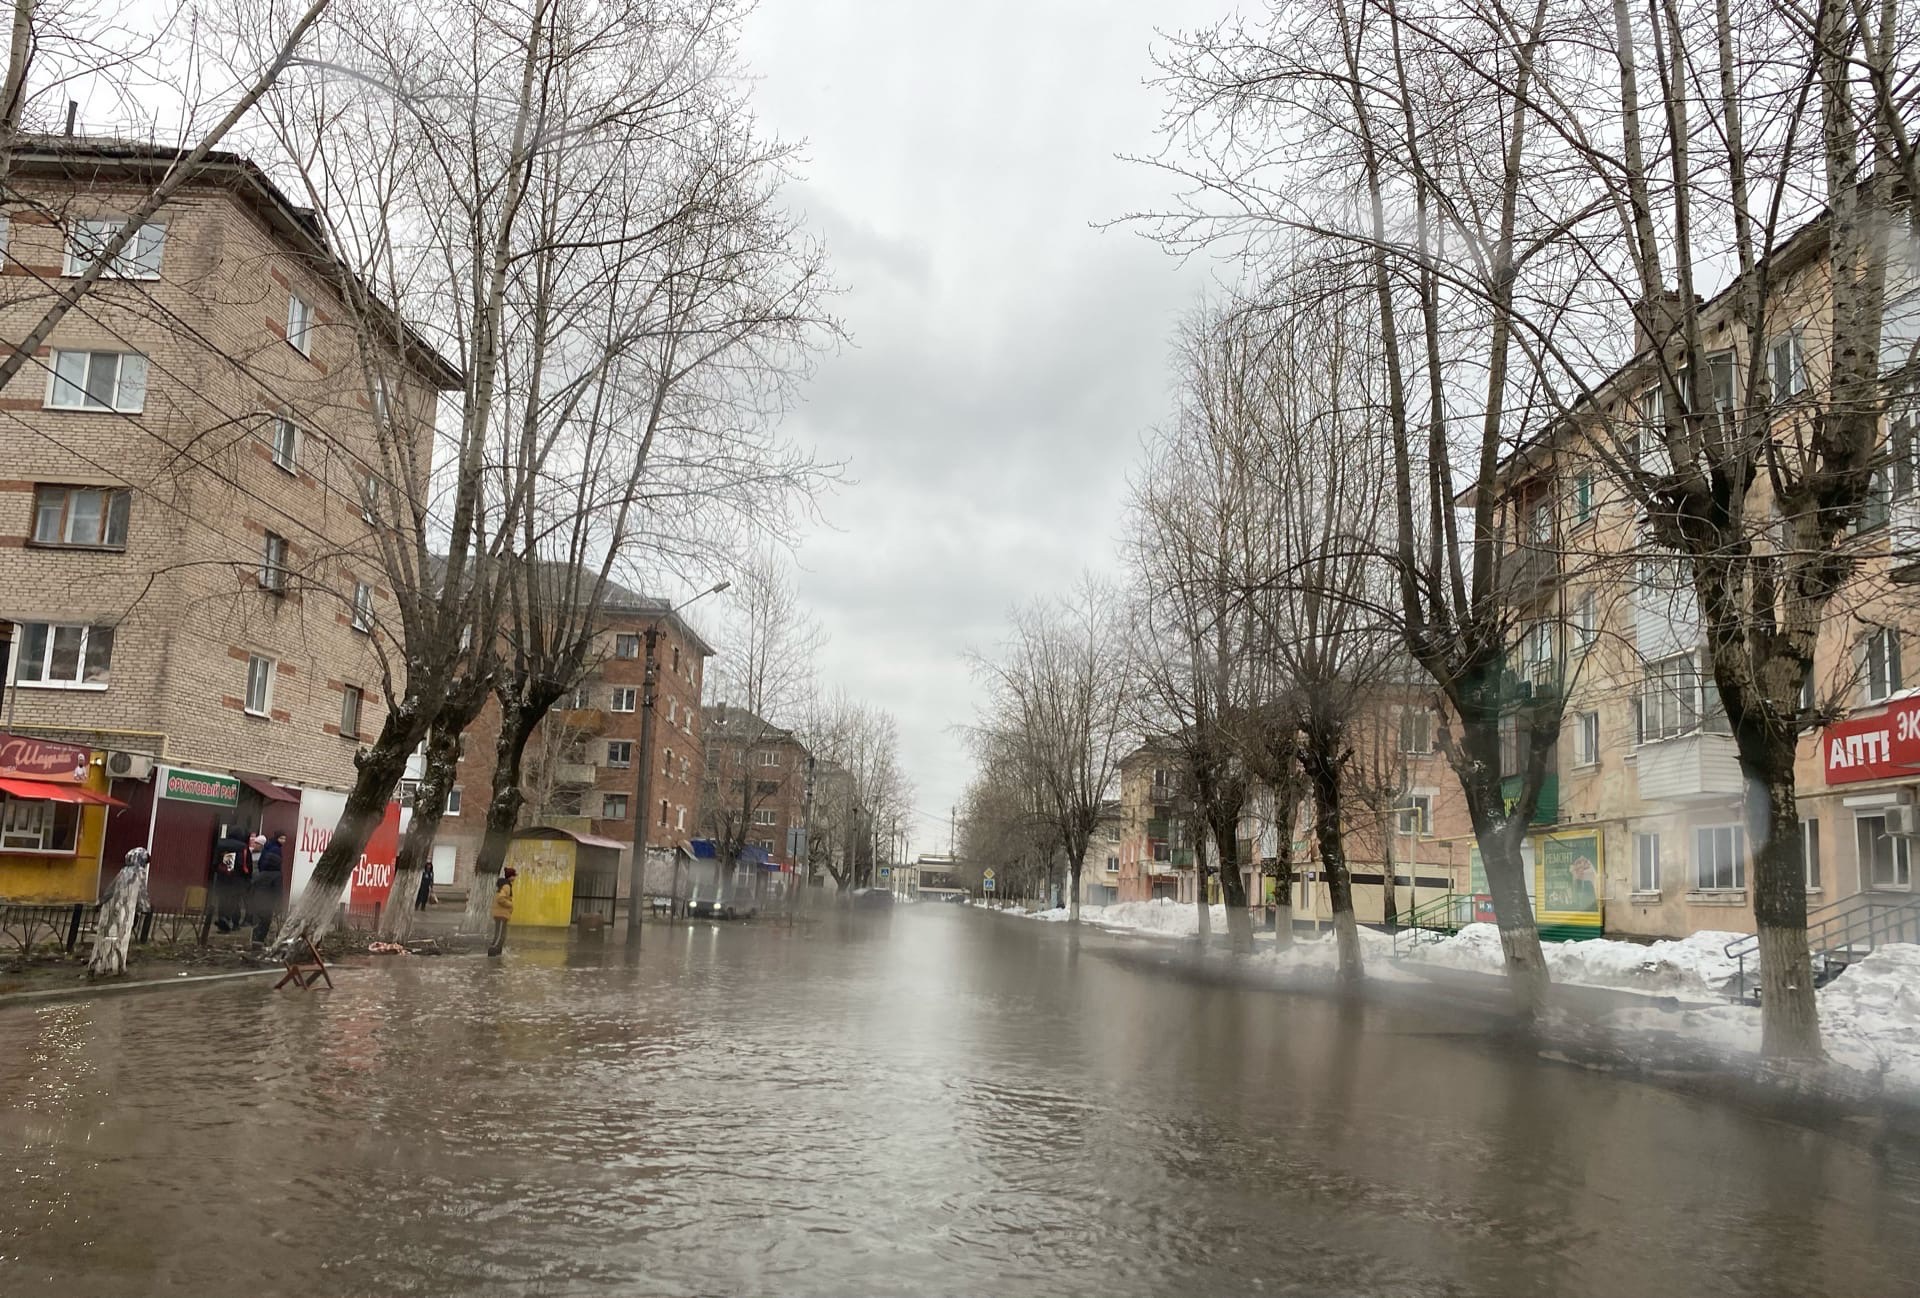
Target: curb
[145,985]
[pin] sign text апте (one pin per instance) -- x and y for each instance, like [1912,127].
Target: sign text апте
[1883,747]
[36,759]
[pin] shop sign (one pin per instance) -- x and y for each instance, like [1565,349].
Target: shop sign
[1883,747]
[36,759]
[180,785]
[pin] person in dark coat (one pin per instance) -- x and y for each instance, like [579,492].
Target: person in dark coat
[263,897]
[424,898]
[232,872]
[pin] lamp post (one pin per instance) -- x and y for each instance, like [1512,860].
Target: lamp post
[643,782]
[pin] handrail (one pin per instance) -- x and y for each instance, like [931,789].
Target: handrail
[1436,916]
[1866,919]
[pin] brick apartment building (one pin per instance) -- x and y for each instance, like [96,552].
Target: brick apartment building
[757,770]
[189,488]
[579,770]
[1405,818]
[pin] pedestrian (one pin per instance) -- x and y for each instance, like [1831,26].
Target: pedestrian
[263,896]
[232,871]
[502,910]
[119,909]
[424,898]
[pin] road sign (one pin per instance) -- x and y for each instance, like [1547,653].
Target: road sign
[987,883]
[987,873]
[884,872]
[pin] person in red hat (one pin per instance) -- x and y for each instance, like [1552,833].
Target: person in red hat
[502,910]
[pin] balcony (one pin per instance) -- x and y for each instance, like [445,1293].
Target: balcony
[574,773]
[1526,573]
[1903,539]
[584,721]
[1688,768]
[1546,810]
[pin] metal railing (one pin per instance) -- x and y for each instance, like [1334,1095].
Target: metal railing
[1838,934]
[1432,921]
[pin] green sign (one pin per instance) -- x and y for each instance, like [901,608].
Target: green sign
[198,786]
[1570,875]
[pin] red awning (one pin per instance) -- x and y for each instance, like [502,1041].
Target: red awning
[44,792]
[266,788]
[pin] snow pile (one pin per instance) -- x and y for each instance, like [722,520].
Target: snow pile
[1160,916]
[1320,955]
[1869,1020]
[1693,966]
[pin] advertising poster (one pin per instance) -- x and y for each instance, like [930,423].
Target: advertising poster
[319,812]
[1570,884]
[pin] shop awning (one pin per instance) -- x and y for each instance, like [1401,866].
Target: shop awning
[41,791]
[266,788]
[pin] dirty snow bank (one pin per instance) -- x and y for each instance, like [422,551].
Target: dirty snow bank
[1869,1019]
[1168,918]
[1695,966]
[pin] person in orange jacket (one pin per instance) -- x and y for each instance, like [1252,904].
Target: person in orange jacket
[502,910]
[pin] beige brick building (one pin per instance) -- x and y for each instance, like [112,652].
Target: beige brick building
[190,483]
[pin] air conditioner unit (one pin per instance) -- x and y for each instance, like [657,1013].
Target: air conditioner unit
[1903,821]
[130,766]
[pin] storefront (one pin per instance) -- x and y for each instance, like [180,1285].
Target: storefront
[53,817]
[1874,764]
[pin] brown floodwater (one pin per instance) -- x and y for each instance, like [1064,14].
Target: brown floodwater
[938,1102]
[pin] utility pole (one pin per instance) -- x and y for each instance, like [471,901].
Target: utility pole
[643,782]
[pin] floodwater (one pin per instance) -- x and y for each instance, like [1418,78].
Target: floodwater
[942,1102]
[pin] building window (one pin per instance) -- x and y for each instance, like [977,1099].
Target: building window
[626,646]
[57,654]
[763,816]
[1884,861]
[453,801]
[98,381]
[84,516]
[300,324]
[624,699]
[1414,813]
[1675,700]
[686,769]
[676,658]
[663,813]
[1721,377]
[620,753]
[680,818]
[673,711]
[351,697]
[666,767]
[1582,499]
[1810,852]
[259,685]
[1586,622]
[1646,863]
[580,700]
[1586,739]
[273,563]
[140,259]
[613,806]
[286,443]
[1416,731]
[382,400]
[1787,366]
[769,758]
[34,825]
[369,497]
[1719,858]
[362,606]
[1880,664]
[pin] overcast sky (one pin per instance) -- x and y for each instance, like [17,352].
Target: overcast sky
[1006,356]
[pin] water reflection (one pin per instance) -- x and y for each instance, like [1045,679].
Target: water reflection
[934,1101]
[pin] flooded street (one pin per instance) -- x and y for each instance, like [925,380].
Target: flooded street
[941,1101]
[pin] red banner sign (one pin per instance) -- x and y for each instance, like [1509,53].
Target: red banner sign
[372,879]
[1884,747]
[36,759]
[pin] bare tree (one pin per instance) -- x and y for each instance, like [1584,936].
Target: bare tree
[1058,700]
[858,784]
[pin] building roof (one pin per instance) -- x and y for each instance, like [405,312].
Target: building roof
[81,159]
[723,722]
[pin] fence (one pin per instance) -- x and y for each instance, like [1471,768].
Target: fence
[25,929]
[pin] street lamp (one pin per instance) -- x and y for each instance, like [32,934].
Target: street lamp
[643,782]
